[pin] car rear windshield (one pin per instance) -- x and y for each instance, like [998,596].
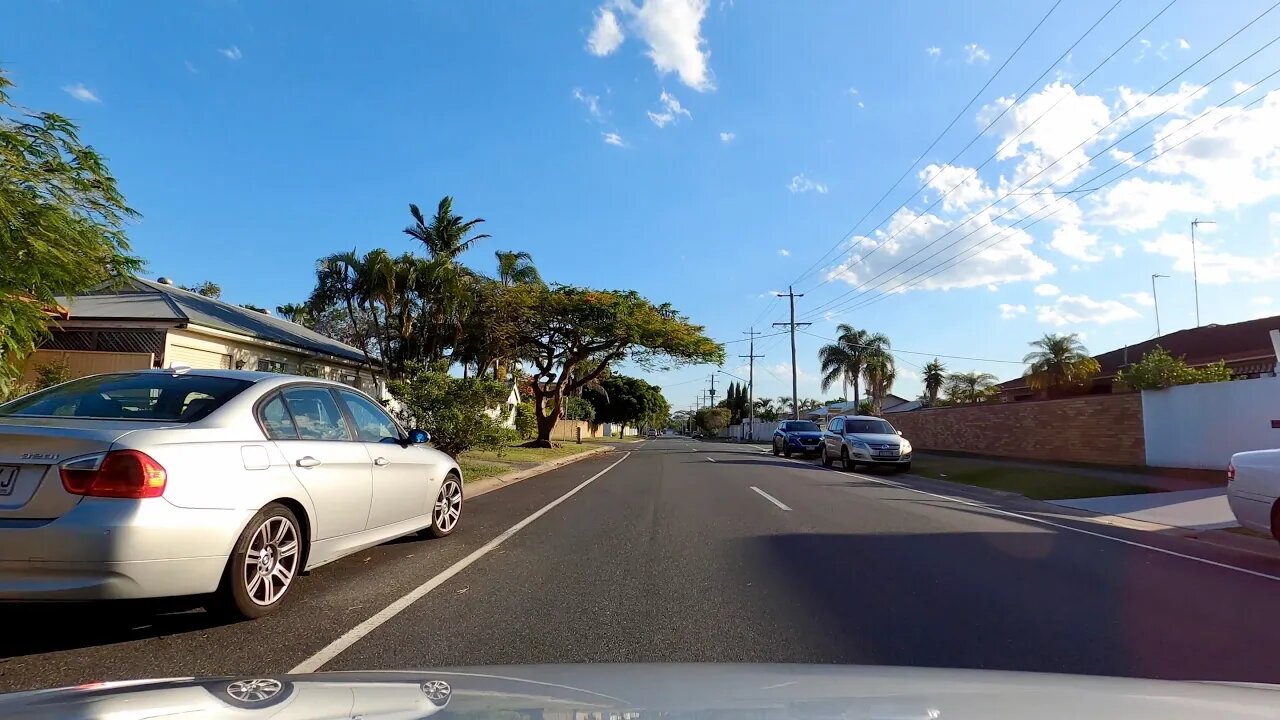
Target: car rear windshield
[871,427]
[801,426]
[130,396]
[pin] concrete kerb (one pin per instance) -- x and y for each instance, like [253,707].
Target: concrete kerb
[480,487]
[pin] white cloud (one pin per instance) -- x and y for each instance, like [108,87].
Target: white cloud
[1183,44]
[81,93]
[1079,309]
[673,31]
[1263,300]
[1140,105]
[613,139]
[1214,266]
[1062,120]
[1145,45]
[1073,241]
[592,103]
[992,287]
[933,52]
[1140,204]
[191,68]
[974,53]
[727,137]
[671,110]
[800,184]
[1046,290]
[231,53]
[1140,298]
[784,252]
[861,104]
[606,34]
[1009,312]
[851,91]
[783,370]
[961,185]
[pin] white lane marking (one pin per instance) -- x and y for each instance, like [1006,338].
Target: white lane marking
[1050,523]
[770,498]
[352,636]
[710,459]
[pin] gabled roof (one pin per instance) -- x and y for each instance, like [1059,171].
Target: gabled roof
[1237,342]
[140,299]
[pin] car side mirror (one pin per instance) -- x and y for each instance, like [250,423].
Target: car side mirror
[419,437]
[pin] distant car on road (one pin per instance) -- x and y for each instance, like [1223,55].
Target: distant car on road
[651,433]
[1253,487]
[797,436]
[223,483]
[865,440]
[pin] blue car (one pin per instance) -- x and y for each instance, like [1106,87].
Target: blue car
[802,437]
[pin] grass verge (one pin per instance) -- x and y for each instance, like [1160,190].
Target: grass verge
[480,464]
[1034,483]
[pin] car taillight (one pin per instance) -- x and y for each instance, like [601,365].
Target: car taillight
[1231,472]
[121,474]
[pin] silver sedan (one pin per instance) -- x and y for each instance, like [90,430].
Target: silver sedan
[224,483]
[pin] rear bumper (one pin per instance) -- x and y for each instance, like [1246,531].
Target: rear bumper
[1252,514]
[117,549]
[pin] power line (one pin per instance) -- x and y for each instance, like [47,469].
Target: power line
[895,351]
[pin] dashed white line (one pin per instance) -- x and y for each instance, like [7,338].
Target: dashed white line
[352,636]
[710,459]
[770,498]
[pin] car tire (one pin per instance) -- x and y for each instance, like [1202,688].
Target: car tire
[775,448]
[1275,521]
[826,459]
[269,552]
[786,451]
[845,463]
[446,509]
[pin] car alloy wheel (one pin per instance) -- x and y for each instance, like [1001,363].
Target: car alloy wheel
[845,463]
[826,459]
[272,560]
[447,508]
[254,691]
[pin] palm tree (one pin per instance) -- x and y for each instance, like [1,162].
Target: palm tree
[784,404]
[340,280]
[516,268]
[446,235]
[879,372]
[845,359]
[969,387]
[1058,360]
[765,410]
[934,374]
[295,313]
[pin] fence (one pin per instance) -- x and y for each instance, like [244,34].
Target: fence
[86,362]
[762,431]
[1200,426]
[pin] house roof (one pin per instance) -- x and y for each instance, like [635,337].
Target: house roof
[1237,342]
[140,299]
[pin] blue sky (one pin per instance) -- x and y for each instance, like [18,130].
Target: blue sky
[703,153]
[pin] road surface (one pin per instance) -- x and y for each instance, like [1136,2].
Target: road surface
[675,550]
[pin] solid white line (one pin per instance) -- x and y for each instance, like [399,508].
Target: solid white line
[711,459]
[770,498]
[352,636]
[1050,523]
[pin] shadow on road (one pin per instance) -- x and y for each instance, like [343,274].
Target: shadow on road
[41,628]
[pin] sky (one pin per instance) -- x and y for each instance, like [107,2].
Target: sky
[709,154]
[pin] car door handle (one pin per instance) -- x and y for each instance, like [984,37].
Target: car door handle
[307,461]
[381,461]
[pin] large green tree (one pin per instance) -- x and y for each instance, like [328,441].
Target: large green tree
[61,225]
[934,375]
[846,359]
[624,400]
[969,387]
[562,328]
[1058,361]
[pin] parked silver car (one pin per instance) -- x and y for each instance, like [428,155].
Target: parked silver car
[864,440]
[189,482]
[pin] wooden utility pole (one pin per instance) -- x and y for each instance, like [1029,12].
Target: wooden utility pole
[751,378]
[795,398]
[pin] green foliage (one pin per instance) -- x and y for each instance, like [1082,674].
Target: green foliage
[207,288]
[847,359]
[1058,361]
[624,400]
[61,225]
[970,387]
[712,420]
[255,308]
[526,423]
[577,408]
[451,409]
[50,374]
[934,375]
[765,410]
[1158,369]
[868,407]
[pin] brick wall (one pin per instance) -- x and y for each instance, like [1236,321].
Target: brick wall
[1104,429]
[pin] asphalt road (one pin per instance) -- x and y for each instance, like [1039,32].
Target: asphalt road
[690,551]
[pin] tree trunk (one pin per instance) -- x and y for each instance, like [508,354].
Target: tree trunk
[546,420]
[857,400]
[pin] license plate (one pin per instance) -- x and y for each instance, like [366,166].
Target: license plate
[887,453]
[8,479]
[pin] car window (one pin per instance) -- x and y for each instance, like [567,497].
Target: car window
[801,426]
[316,414]
[131,396]
[837,424]
[276,420]
[373,424]
[871,427]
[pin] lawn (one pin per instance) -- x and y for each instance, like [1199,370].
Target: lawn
[1035,483]
[480,464]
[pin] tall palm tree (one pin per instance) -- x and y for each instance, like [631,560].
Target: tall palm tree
[295,313]
[340,283]
[1058,360]
[969,387]
[446,235]
[845,358]
[784,404]
[934,374]
[516,268]
[879,371]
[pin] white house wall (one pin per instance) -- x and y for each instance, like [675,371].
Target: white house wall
[200,350]
[1201,426]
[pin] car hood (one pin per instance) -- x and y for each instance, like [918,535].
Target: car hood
[888,438]
[658,692]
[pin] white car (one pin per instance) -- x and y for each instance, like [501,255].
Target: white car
[223,483]
[1253,486]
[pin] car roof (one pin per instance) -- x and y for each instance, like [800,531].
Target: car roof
[862,417]
[253,376]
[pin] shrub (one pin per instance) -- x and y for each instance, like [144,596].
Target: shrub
[578,409]
[1158,369]
[452,409]
[526,422]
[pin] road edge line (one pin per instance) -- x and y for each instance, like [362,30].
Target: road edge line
[489,484]
[355,634]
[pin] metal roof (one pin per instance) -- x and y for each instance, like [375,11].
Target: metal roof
[140,299]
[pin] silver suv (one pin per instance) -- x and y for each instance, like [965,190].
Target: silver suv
[865,440]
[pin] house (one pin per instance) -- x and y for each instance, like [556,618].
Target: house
[1246,347]
[146,324]
[895,404]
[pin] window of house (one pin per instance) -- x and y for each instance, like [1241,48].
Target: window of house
[275,366]
[310,370]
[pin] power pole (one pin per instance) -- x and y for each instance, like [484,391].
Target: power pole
[795,398]
[751,382]
[1155,301]
[1195,268]
[712,393]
